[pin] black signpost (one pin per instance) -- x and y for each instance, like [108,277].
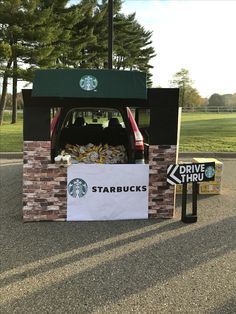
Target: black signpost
[186,173]
[110,33]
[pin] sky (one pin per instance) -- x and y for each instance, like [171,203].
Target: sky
[195,35]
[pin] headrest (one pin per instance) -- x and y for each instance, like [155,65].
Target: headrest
[113,122]
[79,121]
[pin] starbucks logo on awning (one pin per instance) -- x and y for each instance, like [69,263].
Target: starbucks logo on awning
[77,187]
[88,82]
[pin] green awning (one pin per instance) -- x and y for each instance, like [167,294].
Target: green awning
[85,83]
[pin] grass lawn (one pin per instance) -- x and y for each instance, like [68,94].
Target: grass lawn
[11,135]
[208,132]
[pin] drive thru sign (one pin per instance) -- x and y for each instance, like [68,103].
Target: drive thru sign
[194,172]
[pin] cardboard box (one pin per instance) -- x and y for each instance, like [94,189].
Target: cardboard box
[211,187]
[218,164]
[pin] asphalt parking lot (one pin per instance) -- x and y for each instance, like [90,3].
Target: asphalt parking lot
[155,266]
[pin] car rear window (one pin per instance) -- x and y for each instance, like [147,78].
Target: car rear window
[94,117]
[93,136]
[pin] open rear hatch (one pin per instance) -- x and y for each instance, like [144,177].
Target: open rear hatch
[92,135]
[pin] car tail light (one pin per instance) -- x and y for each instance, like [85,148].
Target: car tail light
[139,144]
[54,121]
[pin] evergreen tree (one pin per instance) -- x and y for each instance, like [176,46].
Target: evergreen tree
[54,34]
[18,19]
[5,66]
[48,39]
[9,16]
[101,31]
[82,38]
[37,34]
[132,44]
[132,48]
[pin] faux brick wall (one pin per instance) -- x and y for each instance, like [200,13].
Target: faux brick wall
[161,194]
[44,184]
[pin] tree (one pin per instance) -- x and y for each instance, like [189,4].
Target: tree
[15,17]
[54,34]
[189,96]
[36,33]
[229,100]
[182,80]
[216,100]
[54,50]
[80,52]
[192,97]
[5,66]
[132,44]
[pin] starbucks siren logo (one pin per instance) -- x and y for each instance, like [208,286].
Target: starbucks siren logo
[209,172]
[77,187]
[88,82]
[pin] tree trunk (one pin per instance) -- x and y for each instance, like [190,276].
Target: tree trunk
[14,92]
[4,91]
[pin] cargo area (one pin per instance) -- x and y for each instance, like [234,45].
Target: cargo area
[92,135]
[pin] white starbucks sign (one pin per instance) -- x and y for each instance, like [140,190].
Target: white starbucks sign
[88,82]
[107,192]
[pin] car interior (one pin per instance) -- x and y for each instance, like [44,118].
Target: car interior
[82,127]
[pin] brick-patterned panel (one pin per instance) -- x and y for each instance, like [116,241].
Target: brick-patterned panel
[161,194]
[44,184]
